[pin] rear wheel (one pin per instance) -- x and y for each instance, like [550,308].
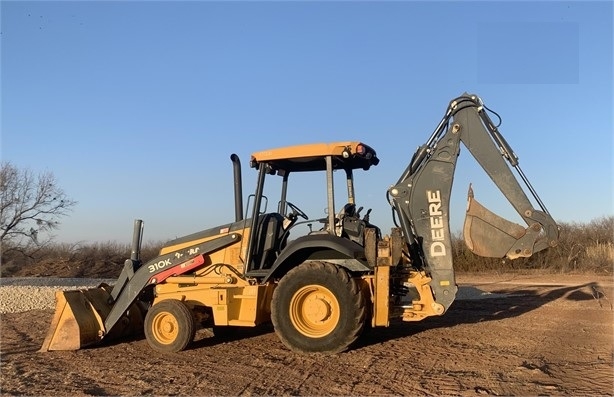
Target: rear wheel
[318,307]
[169,326]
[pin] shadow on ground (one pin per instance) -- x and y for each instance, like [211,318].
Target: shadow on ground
[479,306]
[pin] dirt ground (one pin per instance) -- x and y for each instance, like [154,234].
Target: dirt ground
[532,335]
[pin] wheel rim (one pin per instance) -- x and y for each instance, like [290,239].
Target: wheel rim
[314,311]
[165,328]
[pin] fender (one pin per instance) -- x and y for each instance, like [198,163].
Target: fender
[320,247]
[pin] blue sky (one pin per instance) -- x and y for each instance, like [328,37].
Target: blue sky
[137,106]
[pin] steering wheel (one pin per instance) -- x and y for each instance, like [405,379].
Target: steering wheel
[297,210]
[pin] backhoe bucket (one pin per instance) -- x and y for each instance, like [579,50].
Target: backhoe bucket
[79,317]
[486,233]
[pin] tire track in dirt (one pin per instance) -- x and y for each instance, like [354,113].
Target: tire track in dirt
[555,364]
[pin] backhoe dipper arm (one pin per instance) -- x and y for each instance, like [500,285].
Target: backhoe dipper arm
[421,198]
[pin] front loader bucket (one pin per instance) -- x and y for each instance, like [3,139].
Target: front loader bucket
[486,233]
[79,317]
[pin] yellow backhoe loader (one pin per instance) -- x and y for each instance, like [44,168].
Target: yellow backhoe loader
[321,287]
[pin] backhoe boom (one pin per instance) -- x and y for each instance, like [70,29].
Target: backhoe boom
[421,198]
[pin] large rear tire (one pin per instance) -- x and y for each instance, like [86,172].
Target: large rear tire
[169,326]
[318,307]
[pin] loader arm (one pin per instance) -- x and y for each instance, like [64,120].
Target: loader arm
[421,198]
[157,270]
[84,317]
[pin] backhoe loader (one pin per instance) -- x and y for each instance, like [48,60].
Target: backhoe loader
[322,287]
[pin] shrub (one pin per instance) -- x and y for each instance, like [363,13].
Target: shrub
[583,247]
[92,260]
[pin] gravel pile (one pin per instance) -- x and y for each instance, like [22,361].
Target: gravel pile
[22,294]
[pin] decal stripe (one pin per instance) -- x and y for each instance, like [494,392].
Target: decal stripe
[177,269]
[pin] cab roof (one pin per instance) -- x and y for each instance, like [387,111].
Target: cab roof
[312,157]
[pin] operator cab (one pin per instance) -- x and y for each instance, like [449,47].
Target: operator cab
[272,229]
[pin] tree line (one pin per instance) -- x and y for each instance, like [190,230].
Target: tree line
[32,206]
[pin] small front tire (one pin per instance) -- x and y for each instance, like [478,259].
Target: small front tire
[169,326]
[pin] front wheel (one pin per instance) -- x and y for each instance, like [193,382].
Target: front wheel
[318,307]
[169,326]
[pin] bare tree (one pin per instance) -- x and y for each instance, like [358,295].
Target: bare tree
[30,207]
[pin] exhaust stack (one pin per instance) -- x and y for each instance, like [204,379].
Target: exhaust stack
[238,187]
[137,239]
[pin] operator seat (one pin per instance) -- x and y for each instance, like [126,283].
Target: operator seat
[348,210]
[349,225]
[268,240]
